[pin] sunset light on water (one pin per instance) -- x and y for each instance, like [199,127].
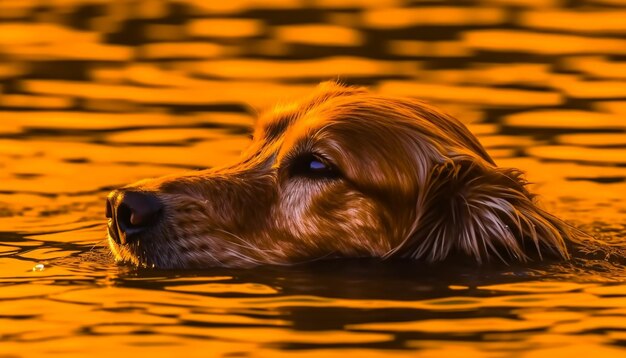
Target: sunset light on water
[97,94]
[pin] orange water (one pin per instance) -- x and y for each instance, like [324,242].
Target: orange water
[95,94]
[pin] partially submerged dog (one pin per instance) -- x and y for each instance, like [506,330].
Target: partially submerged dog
[342,173]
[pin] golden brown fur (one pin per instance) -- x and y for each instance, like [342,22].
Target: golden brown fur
[405,180]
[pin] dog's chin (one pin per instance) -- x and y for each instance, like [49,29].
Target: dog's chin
[137,253]
[129,254]
[147,249]
[153,252]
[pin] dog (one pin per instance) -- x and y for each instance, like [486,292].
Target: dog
[342,173]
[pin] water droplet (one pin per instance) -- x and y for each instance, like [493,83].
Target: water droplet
[39,267]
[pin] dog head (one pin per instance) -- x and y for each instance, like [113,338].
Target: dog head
[341,173]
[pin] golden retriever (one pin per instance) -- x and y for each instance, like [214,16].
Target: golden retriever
[341,173]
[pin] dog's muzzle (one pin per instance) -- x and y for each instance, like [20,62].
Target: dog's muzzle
[131,213]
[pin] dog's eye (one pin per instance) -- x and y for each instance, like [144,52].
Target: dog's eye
[316,165]
[313,166]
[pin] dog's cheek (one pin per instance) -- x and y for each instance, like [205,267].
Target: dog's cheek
[328,217]
[290,210]
[354,225]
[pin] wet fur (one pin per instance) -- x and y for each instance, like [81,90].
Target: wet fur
[414,183]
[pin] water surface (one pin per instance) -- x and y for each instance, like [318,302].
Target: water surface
[97,94]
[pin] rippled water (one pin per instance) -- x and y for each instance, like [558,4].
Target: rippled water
[96,94]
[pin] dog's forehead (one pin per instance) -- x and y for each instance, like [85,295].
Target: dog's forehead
[271,124]
[275,122]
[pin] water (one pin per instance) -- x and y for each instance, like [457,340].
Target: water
[98,94]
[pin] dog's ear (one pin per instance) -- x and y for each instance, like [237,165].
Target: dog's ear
[471,207]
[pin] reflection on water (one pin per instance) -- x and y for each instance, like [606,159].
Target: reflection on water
[95,94]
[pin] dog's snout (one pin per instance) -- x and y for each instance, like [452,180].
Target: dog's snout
[131,213]
[137,210]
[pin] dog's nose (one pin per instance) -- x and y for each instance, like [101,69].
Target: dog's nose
[131,213]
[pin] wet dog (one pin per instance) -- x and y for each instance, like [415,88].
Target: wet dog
[341,173]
